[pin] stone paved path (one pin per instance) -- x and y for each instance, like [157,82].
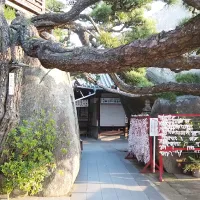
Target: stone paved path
[106,175]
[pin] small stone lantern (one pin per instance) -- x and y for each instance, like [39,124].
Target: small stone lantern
[147,107]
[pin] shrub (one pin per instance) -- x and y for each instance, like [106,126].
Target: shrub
[171,96]
[188,78]
[194,165]
[137,77]
[28,154]
[102,13]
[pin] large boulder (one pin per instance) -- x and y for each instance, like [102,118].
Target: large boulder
[51,90]
[160,75]
[165,75]
[182,105]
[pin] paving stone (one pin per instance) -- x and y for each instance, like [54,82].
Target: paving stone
[94,196]
[106,175]
[78,187]
[93,187]
[78,196]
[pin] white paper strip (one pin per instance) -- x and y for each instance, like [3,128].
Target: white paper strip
[11,88]
[153,126]
[139,139]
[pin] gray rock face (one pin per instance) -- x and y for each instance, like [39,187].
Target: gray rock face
[51,90]
[183,104]
[164,75]
[160,75]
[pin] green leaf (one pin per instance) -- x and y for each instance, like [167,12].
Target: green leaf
[29,153]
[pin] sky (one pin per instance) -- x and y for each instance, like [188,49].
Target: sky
[168,17]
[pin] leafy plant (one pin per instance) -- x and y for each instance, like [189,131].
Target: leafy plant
[195,165]
[171,96]
[9,13]
[108,40]
[55,5]
[59,34]
[127,5]
[137,77]
[143,29]
[183,21]
[188,78]
[28,154]
[102,13]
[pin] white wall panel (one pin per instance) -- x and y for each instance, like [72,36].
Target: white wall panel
[112,115]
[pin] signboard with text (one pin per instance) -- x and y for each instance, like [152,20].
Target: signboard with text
[110,101]
[153,127]
[82,103]
[11,87]
[177,134]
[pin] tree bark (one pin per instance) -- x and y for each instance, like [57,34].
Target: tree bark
[180,63]
[186,88]
[51,20]
[9,104]
[140,53]
[4,31]
[193,3]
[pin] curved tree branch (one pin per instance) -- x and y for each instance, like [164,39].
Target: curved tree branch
[193,3]
[51,20]
[180,63]
[140,53]
[48,36]
[186,88]
[74,25]
[83,36]
[84,16]
[115,91]
[83,32]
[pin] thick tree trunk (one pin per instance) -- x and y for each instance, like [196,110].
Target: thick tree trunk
[9,104]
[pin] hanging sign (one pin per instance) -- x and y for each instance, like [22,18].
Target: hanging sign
[153,126]
[71,2]
[11,87]
[154,132]
[110,101]
[82,103]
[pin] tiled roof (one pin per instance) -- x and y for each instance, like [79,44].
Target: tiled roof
[103,79]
